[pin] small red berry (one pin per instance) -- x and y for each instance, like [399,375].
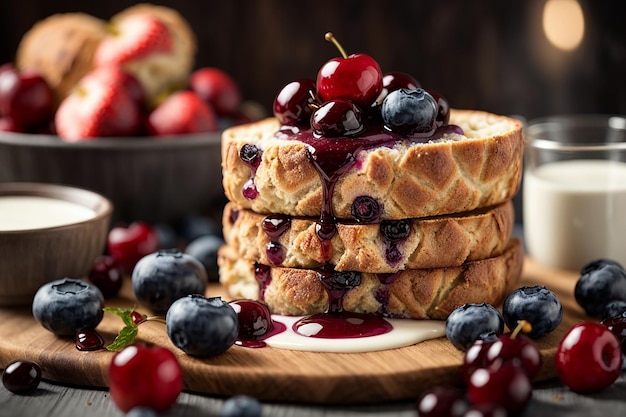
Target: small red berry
[127,245]
[143,376]
[507,386]
[442,401]
[589,358]
[107,274]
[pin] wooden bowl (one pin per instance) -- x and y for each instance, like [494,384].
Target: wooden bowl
[46,248]
[146,178]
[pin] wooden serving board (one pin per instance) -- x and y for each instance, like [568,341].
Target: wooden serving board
[271,374]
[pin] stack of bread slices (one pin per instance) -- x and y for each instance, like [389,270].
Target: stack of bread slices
[448,199]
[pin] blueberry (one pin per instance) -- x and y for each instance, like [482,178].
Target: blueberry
[164,276]
[193,226]
[410,112]
[249,153]
[537,305]
[597,264]
[600,285]
[167,235]
[205,250]
[241,406]
[613,309]
[467,323]
[141,412]
[67,305]
[202,326]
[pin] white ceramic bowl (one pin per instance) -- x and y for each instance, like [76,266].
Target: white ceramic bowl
[31,254]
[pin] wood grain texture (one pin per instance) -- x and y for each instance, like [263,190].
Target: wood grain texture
[279,375]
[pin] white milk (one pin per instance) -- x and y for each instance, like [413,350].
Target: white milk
[575,211]
[29,212]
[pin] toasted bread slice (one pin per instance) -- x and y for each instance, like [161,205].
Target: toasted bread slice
[414,293]
[409,179]
[432,242]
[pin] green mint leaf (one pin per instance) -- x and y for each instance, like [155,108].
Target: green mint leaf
[124,338]
[123,313]
[127,335]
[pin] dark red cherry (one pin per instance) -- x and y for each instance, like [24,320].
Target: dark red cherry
[357,78]
[443,108]
[442,401]
[21,376]
[394,81]
[107,274]
[520,351]
[291,105]
[337,118]
[589,357]
[507,386]
[486,410]
[25,97]
[475,358]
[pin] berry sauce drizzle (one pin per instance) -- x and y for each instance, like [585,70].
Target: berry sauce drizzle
[343,325]
[251,156]
[263,277]
[332,157]
[274,226]
[259,342]
[88,339]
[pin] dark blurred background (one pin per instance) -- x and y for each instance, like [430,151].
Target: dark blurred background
[492,55]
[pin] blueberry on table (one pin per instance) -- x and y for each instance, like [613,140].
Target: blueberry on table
[597,264]
[141,412]
[164,276]
[537,305]
[193,226]
[202,326]
[241,406]
[205,250]
[469,322]
[599,285]
[614,308]
[67,305]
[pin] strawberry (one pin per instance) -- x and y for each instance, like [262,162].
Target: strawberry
[98,106]
[133,37]
[182,112]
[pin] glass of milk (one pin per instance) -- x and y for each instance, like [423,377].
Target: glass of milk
[574,190]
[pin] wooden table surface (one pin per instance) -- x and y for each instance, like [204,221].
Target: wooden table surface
[550,398]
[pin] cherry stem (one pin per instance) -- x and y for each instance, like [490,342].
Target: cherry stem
[522,326]
[151,318]
[331,38]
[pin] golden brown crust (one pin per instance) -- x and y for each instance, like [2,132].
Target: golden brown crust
[61,48]
[410,180]
[433,242]
[162,73]
[415,293]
